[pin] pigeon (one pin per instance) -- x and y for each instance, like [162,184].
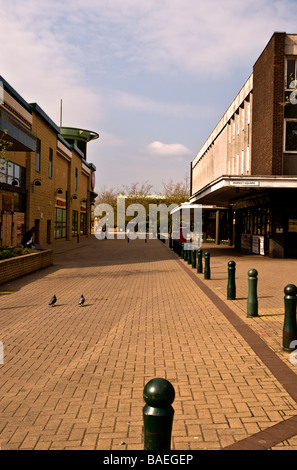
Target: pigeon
[81,300]
[53,300]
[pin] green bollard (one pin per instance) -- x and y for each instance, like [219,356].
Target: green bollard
[199,262]
[290,327]
[158,414]
[207,265]
[194,255]
[189,258]
[252,303]
[170,242]
[185,251]
[231,288]
[181,254]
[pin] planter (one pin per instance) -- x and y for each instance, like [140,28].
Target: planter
[18,266]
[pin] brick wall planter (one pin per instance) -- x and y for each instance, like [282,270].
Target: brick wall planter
[13,268]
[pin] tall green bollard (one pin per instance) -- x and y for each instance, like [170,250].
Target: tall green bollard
[170,242]
[207,265]
[199,261]
[194,256]
[231,288]
[189,258]
[181,253]
[290,327]
[185,251]
[252,303]
[158,414]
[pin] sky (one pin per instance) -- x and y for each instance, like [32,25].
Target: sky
[152,78]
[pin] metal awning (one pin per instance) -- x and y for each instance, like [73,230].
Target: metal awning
[228,189]
[185,205]
[21,138]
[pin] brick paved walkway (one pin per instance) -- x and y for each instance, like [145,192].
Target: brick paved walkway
[73,377]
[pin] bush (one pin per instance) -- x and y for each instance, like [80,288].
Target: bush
[6,253]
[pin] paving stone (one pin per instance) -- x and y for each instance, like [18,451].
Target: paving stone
[73,377]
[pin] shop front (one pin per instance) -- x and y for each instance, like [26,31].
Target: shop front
[12,203]
[253,225]
[12,219]
[264,210]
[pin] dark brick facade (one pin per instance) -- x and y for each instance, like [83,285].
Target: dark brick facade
[268,93]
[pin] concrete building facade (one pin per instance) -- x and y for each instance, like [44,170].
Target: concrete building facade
[247,168]
[45,179]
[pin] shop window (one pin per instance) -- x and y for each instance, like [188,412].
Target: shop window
[83,223]
[60,222]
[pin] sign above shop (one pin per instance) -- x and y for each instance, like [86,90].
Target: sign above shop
[60,202]
[244,183]
[6,203]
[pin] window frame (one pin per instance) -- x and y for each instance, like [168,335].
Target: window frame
[50,163]
[38,156]
[285,136]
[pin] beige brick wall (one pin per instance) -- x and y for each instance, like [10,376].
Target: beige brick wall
[41,200]
[21,265]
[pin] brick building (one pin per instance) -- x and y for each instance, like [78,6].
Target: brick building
[45,179]
[247,169]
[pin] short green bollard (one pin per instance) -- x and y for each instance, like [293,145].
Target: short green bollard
[231,287]
[252,303]
[290,327]
[207,265]
[158,414]
[194,256]
[199,261]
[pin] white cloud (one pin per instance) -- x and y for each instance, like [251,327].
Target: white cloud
[82,51]
[191,36]
[40,67]
[168,150]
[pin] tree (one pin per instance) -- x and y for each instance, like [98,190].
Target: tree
[107,196]
[4,146]
[177,192]
[141,194]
